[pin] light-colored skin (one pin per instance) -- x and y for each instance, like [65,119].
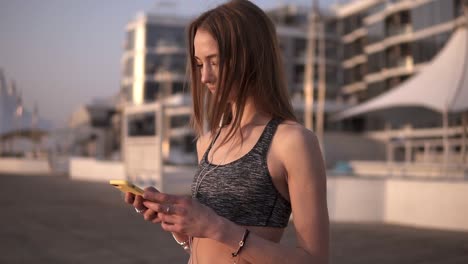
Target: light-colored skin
[296,166]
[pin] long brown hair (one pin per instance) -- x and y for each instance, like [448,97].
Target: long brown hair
[250,65]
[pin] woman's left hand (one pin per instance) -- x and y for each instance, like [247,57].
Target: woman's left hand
[182,214]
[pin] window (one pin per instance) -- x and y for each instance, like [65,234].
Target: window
[299,73]
[330,27]
[458,7]
[331,50]
[180,121]
[174,63]
[331,73]
[396,55]
[376,62]
[130,40]
[375,89]
[377,8]
[186,144]
[425,49]
[141,125]
[128,68]
[348,76]
[300,48]
[162,35]
[376,32]
[432,13]
[126,92]
[352,23]
[152,91]
[397,23]
[177,88]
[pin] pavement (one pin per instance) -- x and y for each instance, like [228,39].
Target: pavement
[52,219]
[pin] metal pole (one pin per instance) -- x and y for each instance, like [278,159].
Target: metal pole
[160,135]
[445,140]
[464,133]
[319,126]
[309,72]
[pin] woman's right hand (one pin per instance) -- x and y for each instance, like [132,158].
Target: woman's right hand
[137,202]
[148,214]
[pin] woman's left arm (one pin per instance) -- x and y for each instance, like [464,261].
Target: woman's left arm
[302,160]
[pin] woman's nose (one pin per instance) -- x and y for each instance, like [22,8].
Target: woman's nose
[206,74]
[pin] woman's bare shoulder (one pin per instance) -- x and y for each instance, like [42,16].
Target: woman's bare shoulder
[294,133]
[294,140]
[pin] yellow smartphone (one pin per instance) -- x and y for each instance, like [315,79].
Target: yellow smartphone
[126,186]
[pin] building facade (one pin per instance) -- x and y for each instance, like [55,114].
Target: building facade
[292,27]
[154,81]
[385,42]
[153,62]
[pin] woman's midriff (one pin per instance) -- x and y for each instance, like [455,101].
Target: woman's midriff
[208,251]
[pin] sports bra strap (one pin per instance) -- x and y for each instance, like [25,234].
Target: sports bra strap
[264,142]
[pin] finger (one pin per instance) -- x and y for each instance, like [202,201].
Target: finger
[160,197]
[169,219]
[170,227]
[167,209]
[151,189]
[129,198]
[138,203]
[157,219]
[150,215]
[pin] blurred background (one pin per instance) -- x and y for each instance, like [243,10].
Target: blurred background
[96,90]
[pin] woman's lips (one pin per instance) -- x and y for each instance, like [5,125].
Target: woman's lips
[211,88]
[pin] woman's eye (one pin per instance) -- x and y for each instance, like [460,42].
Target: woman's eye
[199,65]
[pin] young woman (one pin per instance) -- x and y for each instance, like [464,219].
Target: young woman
[256,163]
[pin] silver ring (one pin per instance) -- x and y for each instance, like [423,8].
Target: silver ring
[168,209]
[140,211]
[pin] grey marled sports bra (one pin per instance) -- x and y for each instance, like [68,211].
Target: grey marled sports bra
[242,190]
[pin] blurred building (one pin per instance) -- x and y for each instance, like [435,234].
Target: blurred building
[94,130]
[292,26]
[386,42]
[154,58]
[153,87]
[21,130]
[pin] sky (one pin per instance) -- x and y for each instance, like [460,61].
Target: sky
[64,53]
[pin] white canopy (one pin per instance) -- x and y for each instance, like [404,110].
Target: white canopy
[441,86]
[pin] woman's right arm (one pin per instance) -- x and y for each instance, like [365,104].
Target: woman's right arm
[202,145]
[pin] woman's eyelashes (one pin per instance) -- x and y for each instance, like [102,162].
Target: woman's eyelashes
[212,63]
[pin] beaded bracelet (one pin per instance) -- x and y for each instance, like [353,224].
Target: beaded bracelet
[184,245]
[241,243]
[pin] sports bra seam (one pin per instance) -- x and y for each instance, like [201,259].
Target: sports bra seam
[271,211]
[253,149]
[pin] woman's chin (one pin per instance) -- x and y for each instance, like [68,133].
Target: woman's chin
[212,90]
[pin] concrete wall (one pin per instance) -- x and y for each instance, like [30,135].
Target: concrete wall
[341,146]
[96,170]
[177,179]
[423,203]
[352,199]
[24,166]
[428,203]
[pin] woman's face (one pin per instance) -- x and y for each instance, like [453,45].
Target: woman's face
[207,58]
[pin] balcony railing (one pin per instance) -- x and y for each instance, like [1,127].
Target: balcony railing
[404,62]
[399,30]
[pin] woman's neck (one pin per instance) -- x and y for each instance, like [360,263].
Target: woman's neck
[251,115]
